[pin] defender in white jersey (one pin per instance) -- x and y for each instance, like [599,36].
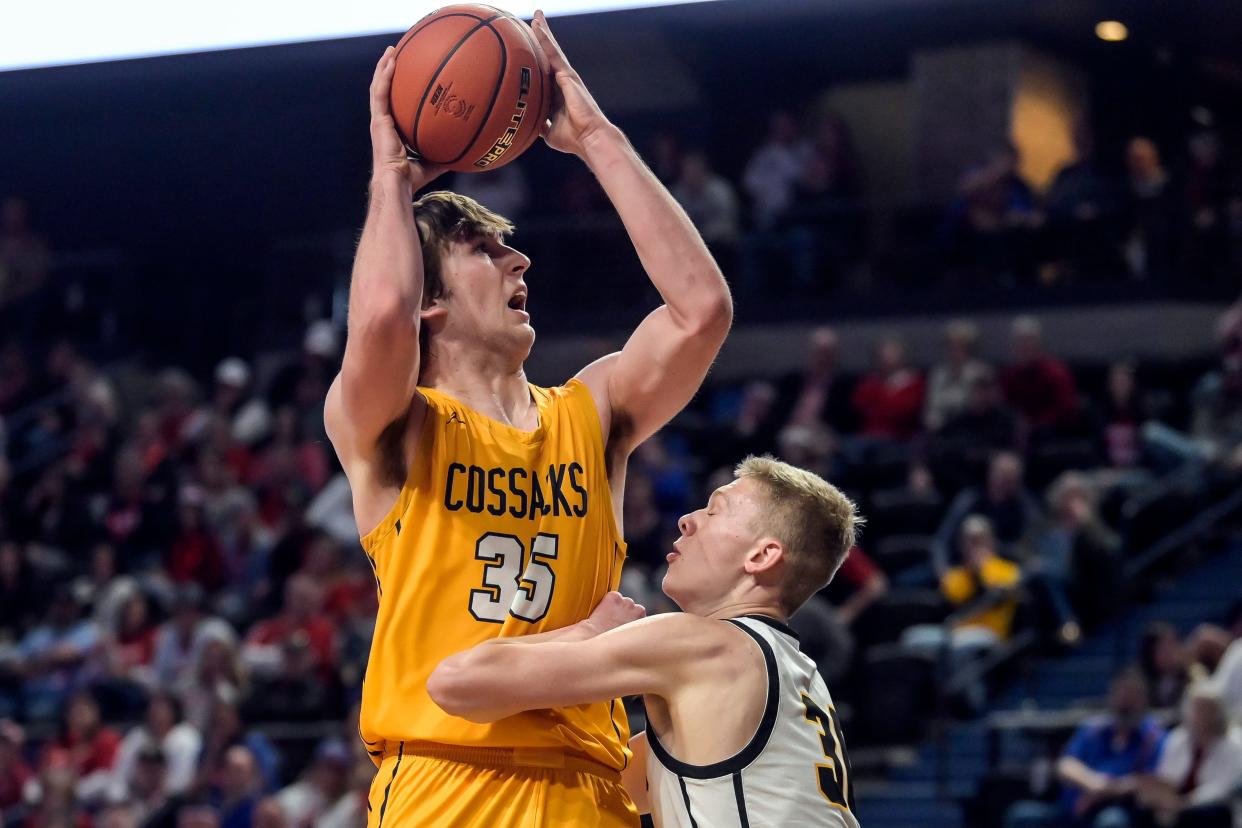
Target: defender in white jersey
[742,732]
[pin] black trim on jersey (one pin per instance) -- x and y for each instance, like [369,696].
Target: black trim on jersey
[391,779]
[741,801]
[754,747]
[612,708]
[685,795]
[779,626]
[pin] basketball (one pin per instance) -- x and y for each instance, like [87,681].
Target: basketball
[471,88]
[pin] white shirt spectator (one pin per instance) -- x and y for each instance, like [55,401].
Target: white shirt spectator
[948,390]
[1220,770]
[1228,678]
[712,208]
[181,746]
[770,177]
[175,659]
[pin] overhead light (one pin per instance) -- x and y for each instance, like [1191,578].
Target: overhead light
[1113,31]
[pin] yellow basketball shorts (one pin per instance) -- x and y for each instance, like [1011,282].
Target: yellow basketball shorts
[446,787]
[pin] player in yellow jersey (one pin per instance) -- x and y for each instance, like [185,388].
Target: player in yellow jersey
[490,507]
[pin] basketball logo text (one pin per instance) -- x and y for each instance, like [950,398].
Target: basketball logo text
[446,103]
[519,112]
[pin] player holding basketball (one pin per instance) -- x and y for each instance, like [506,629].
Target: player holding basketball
[489,506]
[741,729]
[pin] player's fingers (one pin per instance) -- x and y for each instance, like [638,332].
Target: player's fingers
[381,83]
[551,48]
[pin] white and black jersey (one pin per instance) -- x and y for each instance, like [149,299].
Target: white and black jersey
[793,772]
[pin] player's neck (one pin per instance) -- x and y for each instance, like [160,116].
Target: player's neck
[482,384]
[738,608]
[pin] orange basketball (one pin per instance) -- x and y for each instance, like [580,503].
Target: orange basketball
[471,89]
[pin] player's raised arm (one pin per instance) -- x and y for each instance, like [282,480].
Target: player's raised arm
[665,360]
[504,676]
[380,368]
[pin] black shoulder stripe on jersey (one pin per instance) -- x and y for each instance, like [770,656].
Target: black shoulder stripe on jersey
[754,747]
[779,626]
[685,795]
[738,794]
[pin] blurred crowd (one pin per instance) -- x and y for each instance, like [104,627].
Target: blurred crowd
[178,556]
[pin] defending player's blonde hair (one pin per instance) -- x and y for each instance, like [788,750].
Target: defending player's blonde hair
[443,217]
[814,520]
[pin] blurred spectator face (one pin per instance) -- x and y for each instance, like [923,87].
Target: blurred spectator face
[161,714]
[809,447]
[695,170]
[823,355]
[757,401]
[783,128]
[978,544]
[216,660]
[1127,700]
[134,614]
[1142,158]
[82,716]
[321,558]
[303,598]
[1004,476]
[240,776]
[1167,656]
[890,356]
[1121,385]
[268,814]
[1207,644]
[1072,497]
[198,816]
[103,563]
[117,816]
[149,774]
[10,560]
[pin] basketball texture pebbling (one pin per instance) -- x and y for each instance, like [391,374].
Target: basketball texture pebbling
[471,89]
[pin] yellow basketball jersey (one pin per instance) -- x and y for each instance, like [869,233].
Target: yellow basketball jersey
[497,532]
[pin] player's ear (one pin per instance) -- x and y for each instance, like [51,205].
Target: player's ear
[432,310]
[764,557]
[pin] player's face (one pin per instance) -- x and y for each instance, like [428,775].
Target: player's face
[485,295]
[707,561]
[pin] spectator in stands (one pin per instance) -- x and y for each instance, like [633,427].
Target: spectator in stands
[302,690]
[1148,212]
[505,191]
[20,593]
[24,255]
[226,730]
[302,382]
[302,620]
[1217,397]
[320,786]
[1209,196]
[1228,677]
[14,772]
[54,653]
[819,393]
[961,451]
[817,227]
[1077,551]
[180,640]
[951,382]
[824,637]
[1080,206]
[1162,662]
[194,554]
[987,226]
[1010,509]
[1101,766]
[162,730]
[711,203]
[216,675]
[1200,767]
[247,417]
[889,399]
[774,169]
[811,447]
[237,788]
[1123,413]
[858,584]
[982,574]
[87,744]
[750,424]
[147,791]
[57,805]
[1038,384]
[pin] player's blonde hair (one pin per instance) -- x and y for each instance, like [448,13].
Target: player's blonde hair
[812,518]
[442,218]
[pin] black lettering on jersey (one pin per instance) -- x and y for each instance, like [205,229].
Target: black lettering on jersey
[519,492]
[576,469]
[498,500]
[556,483]
[449,503]
[474,491]
[537,503]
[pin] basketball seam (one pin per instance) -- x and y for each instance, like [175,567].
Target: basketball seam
[436,74]
[405,41]
[500,81]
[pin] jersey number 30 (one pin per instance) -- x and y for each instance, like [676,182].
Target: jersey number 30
[509,588]
[834,773]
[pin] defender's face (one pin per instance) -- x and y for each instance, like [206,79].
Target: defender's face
[485,294]
[708,559]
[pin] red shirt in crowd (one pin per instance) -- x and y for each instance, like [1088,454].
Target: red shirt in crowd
[1042,390]
[858,568]
[276,631]
[890,407]
[195,556]
[88,755]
